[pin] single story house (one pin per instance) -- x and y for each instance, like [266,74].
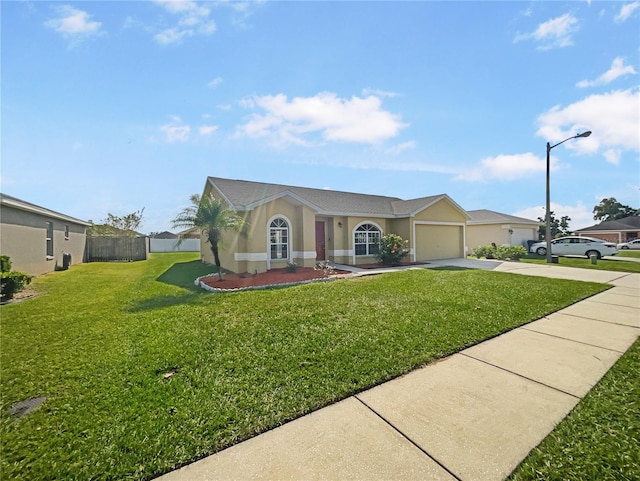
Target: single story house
[39,240]
[486,226]
[287,224]
[617,231]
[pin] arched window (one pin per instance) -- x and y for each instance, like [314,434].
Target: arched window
[366,240]
[279,239]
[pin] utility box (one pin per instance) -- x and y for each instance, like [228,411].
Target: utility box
[66,260]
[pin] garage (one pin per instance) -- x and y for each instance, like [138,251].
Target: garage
[439,241]
[521,236]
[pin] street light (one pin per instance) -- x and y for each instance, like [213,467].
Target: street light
[547,235]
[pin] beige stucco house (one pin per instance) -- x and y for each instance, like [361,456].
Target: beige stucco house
[39,240]
[287,224]
[486,226]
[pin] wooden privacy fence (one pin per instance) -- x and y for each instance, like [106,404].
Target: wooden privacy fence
[101,249]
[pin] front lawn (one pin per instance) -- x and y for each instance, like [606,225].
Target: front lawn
[583,263]
[142,372]
[599,439]
[629,253]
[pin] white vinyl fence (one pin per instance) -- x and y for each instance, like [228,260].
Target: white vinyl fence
[171,245]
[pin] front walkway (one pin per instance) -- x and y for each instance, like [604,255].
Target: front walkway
[472,416]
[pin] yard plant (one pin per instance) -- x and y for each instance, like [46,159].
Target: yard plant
[142,372]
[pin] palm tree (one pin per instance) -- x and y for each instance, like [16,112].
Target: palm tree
[212,217]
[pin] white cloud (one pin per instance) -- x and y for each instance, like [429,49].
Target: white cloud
[296,121]
[399,148]
[74,24]
[554,33]
[215,82]
[581,215]
[193,19]
[618,69]
[175,131]
[626,11]
[378,93]
[206,130]
[614,119]
[506,167]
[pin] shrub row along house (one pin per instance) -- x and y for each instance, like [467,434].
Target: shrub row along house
[287,224]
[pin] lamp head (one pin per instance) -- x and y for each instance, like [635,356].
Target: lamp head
[584,134]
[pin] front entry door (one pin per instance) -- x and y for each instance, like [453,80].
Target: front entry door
[320,251]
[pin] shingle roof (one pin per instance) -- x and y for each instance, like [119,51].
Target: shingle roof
[628,223]
[245,195]
[484,216]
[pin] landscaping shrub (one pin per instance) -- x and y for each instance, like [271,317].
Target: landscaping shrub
[510,253]
[5,264]
[504,253]
[11,283]
[392,249]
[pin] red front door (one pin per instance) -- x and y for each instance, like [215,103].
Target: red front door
[320,252]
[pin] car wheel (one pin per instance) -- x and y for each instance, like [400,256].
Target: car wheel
[590,253]
[541,251]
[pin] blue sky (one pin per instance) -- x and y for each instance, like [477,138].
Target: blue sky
[111,107]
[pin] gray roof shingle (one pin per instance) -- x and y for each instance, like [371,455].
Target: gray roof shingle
[484,216]
[628,223]
[244,195]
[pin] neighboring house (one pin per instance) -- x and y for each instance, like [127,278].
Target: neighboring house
[39,240]
[192,233]
[287,224]
[486,227]
[618,231]
[164,235]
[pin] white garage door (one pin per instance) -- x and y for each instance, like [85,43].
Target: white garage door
[439,242]
[521,236]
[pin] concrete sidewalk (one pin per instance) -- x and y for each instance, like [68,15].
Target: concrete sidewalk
[472,416]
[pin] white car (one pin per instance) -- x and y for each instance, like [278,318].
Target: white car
[576,246]
[634,244]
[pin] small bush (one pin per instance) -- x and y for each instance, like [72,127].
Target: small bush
[12,282]
[504,253]
[292,267]
[484,251]
[5,264]
[392,249]
[511,253]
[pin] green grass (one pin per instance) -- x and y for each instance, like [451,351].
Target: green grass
[629,253]
[583,263]
[99,339]
[600,438]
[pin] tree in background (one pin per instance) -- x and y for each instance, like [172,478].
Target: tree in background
[127,225]
[559,228]
[213,218]
[611,209]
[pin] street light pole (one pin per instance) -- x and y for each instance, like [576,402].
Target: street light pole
[547,234]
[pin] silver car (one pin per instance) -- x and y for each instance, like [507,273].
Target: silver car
[576,246]
[634,244]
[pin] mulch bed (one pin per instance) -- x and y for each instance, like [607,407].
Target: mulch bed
[272,277]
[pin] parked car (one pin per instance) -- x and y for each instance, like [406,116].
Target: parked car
[634,244]
[576,246]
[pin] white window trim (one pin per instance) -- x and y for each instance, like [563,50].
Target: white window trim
[353,237]
[289,238]
[49,239]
